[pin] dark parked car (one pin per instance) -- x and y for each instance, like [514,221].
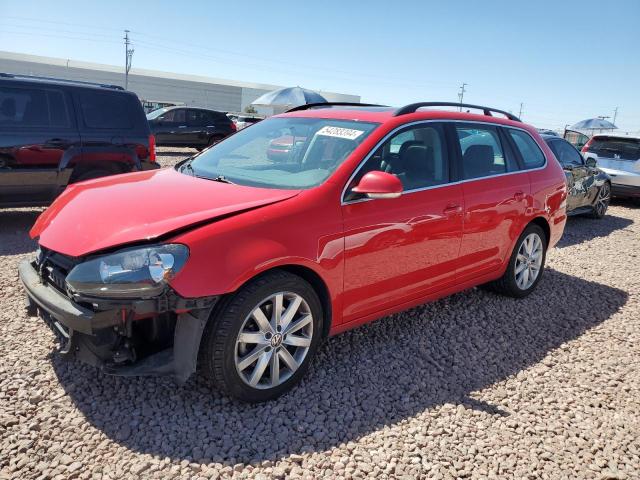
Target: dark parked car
[57,132]
[189,127]
[589,187]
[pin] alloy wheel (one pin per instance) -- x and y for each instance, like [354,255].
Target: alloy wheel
[529,261]
[604,197]
[274,340]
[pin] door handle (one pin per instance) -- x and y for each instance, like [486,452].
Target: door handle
[452,209]
[55,142]
[519,195]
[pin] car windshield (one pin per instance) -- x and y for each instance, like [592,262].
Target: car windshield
[156,113]
[285,152]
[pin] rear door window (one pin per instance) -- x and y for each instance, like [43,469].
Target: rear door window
[530,152]
[482,152]
[199,118]
[105,110]
[33,107]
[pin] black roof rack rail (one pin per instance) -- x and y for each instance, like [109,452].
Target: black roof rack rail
[63,80]
[309,106]
[486,110]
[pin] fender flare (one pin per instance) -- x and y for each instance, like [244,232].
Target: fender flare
[74,152]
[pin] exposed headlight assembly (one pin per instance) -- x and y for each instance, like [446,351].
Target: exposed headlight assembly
[133,273]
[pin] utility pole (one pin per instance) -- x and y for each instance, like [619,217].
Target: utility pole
[127,60]
[461,94]
[520,112]
[615,114]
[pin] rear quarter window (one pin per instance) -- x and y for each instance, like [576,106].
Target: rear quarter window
[106,110]
[530,152]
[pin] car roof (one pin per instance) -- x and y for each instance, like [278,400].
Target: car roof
[189,107]
[548,136]
[382,114]
[616,136]
[60,82]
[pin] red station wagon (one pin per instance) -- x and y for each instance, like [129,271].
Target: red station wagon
[240,265]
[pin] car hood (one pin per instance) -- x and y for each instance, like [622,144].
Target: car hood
[112,211]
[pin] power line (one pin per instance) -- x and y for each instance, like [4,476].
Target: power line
[267,62]
[51,35]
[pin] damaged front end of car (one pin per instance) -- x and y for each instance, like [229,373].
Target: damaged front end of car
[116,311]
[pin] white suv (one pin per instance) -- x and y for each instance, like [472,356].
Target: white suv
[618,156]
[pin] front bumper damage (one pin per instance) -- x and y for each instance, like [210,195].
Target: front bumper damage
[105,332]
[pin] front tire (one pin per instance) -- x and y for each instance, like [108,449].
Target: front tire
[525,265]
[260,342]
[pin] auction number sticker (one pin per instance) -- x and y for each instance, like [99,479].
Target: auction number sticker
[348,133]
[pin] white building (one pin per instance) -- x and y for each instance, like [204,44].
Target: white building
[154,86]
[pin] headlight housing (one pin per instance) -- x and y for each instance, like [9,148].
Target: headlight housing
[132,273]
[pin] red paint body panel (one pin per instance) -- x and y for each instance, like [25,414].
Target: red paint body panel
[374,257]
[399,249]
[112,211]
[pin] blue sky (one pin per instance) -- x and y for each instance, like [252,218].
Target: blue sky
[564,60]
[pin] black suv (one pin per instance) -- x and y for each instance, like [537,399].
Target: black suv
[55,132]
[189,127]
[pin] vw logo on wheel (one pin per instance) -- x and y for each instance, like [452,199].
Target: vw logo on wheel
[276,340]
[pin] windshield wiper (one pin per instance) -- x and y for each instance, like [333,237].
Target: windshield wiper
[221,178]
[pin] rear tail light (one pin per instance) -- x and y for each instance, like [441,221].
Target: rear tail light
[585,149]
[234,127]
[152,148]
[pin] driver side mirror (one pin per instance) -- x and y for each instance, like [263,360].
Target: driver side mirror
[378,185]
[591,162]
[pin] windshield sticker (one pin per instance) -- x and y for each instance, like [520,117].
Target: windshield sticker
[339,132]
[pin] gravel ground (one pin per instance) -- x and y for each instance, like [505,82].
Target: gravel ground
[475,385]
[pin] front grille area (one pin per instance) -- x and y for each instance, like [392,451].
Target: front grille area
[54,268]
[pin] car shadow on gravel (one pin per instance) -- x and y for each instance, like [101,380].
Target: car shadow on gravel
[14,231]
[360,382]
[581,229]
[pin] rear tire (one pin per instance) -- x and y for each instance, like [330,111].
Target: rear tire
[602,201]
[528,257]
[251,353]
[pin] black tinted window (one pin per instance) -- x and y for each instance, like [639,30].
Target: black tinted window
[105,110]
[200,118]
[482,153]
[32,107]
[531,154]
[565,153]
[58,110]
[623,148]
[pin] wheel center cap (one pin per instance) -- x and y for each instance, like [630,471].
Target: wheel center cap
[276,340]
